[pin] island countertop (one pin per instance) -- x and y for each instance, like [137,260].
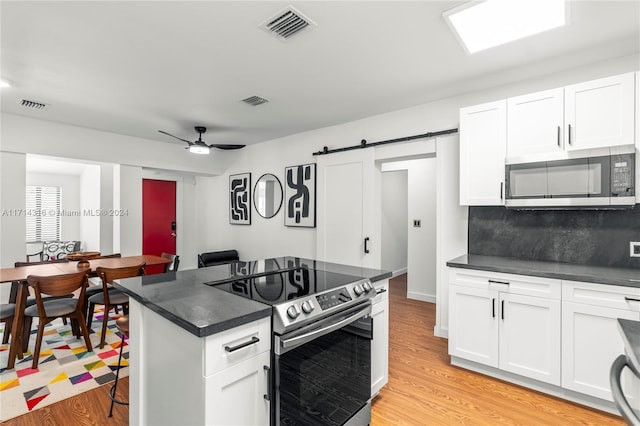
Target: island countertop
[183,298]
[565,271]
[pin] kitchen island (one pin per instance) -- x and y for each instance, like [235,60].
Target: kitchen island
[200,355]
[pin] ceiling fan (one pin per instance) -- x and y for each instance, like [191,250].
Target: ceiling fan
[199,146]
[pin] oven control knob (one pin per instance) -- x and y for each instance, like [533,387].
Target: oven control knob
[358,290]
[293,312]
[307,307]
[367,287]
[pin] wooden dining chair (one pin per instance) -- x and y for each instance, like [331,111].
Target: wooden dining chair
[112,298]
[7,311]
[175,261]
[58,285]
[95,286]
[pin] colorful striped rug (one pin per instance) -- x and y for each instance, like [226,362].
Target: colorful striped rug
[65,368]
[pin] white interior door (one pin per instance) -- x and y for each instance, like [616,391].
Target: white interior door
[346,209]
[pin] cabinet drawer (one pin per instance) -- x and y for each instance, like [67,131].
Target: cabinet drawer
[610,296]
[510,283]
[217,357]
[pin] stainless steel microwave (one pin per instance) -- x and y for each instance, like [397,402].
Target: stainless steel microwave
[606,181]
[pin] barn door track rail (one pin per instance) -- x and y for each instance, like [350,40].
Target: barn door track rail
[365,144]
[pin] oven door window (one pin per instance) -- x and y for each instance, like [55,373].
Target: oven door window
[325,381]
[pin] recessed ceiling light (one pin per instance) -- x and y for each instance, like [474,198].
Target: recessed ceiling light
[489,23]
[198,149]
[4,83]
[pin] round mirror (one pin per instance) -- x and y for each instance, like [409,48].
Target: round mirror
[267,195]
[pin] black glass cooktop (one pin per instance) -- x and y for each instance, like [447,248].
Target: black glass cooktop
[272,283]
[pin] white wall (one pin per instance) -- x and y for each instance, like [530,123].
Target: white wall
[90,202]
[106,203]
[12,201]
[70,190]
[451,223]
[128,198]
[394,220]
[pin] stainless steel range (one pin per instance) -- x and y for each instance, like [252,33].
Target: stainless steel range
[322,331]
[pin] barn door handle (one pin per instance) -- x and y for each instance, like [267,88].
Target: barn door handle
[366,245]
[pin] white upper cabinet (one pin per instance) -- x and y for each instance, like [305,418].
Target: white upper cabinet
[483,139]
[535,122]
[600,113]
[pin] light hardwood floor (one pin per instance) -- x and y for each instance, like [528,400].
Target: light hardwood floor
[423,388]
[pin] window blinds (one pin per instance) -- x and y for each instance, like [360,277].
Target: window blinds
[43,204]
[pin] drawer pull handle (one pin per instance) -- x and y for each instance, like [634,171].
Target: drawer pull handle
[502,309]
[253,340]
[267,396]
[631,299]
[498,282]
[493,307]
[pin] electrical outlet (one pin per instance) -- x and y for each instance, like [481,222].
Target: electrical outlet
[417,223]
[634,249]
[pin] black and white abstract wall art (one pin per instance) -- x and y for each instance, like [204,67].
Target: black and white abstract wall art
[240,199]
[300,196]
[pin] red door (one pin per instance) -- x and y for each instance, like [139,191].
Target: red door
[158,219]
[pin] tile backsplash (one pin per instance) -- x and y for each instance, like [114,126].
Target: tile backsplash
[589,237]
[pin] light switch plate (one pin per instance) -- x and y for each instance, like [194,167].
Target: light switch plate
[634,249]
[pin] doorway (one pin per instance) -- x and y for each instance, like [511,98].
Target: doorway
[409,224]
[159,227]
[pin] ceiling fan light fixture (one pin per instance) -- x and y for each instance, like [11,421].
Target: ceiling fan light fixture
[199,149]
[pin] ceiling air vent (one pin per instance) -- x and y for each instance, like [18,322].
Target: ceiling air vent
[287,23]
[255,100]
[32,104]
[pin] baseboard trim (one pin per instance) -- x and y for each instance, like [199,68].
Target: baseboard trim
[589,401]
[421,296]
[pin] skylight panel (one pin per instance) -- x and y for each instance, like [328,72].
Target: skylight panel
[485,24]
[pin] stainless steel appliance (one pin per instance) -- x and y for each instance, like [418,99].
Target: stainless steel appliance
[593,178]
[322,331]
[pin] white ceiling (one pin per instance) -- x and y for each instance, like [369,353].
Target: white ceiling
[138,67]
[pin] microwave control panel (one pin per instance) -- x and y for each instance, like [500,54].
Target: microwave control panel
[623,175]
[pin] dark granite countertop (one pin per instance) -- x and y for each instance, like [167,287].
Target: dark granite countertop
[184,299]
[629,277]
[630,331]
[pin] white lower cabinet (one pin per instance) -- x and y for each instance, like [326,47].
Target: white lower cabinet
[592,340]
[561,333]
[233,394]
[496,322]
[380,342]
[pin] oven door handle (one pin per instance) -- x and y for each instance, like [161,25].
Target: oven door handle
[286,345]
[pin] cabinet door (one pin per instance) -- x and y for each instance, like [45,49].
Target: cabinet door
[535,122]
[530,337]
[380,344]
[473,324]
[235,396]
[600,113]
[591,342]
[483,138]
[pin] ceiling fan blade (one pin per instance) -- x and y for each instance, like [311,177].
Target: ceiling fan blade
[169,134]
[226,146]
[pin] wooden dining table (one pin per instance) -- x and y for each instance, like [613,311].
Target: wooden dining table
[19,275]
